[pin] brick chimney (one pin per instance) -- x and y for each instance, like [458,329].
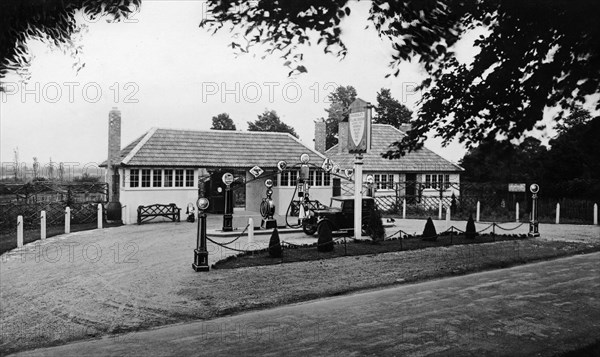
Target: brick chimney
[320,135]
[343,136]
[114,149]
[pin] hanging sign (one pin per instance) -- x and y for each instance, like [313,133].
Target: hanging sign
[359,127]
[256,171]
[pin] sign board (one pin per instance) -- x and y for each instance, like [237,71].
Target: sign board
[516,187]
[327,165]
[256,171]
[227,178]
[359,127]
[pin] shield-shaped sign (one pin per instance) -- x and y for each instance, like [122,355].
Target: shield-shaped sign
[256,171]
[359,126]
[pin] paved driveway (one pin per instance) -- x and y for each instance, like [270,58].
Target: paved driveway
[536,309]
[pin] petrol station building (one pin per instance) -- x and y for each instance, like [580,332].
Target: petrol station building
[173,165]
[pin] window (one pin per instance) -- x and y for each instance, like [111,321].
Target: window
[437,181]
[384,181]
[293,178]
[433,181]
[285,177]
[427,181]
[319,178]
[189,178]
[156,178]
[134,178]
[311,178]
[168,178]
[446,181]
[145,177]
[327,179]
[178,178]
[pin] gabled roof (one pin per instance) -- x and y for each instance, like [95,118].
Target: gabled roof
[383,135]
[214,148]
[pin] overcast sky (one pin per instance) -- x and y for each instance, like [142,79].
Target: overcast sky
[161,70]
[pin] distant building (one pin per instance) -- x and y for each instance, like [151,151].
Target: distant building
[416,175]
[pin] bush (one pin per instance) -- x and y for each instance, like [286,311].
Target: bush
[325,242]
[275,245]
[470,231]
[376,229]
[429,233]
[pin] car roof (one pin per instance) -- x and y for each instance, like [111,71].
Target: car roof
[340,198]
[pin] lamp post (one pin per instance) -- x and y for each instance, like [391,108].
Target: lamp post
[303,186]
[370,181]
[201,253]
[533,224]
[228,210]
[267,208]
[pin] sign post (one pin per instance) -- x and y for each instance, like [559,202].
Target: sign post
[533,224]
[359,142]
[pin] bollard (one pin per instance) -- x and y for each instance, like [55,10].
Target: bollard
[126,214]
[478,210]
[447,217]
[440,210]
[595,214]
[43,225]
[404,208]
[557,213]
[67,220]
[250,231]
[100,216]
[19,231]
[517,212]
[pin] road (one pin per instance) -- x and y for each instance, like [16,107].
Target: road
[534,309]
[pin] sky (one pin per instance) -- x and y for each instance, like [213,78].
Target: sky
[161,70]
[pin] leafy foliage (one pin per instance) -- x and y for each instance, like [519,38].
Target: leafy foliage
[269,121]
[222,122]
[275,245]
[51,21]
[390,111]
[429,232]
[339,108]
[325,241]
[531,55]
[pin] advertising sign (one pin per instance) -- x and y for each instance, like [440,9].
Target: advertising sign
[359,127]
[516,187]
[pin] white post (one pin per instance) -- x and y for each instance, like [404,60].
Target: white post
[557,213]
[517,212]
[250,231]
[478,210]
[43,225]
[448,217]
[19,231]
[126,220]
[358,169]
[404,208]
[595,214]
[68,220]
[440,210]
[100,216]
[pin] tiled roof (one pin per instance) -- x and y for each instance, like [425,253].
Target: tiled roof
[383,135]
[215,148]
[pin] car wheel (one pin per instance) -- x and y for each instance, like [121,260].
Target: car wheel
[309,228]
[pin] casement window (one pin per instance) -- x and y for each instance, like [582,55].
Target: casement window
[437,181]
[384,181]
[156,178]
[285,178]
[168,178]
[134,178]
[189,178]
[178,178]
[146,177]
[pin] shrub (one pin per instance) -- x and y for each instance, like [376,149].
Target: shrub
[429,233]
[376,229]
[470,231]
[275,245]
[325,242]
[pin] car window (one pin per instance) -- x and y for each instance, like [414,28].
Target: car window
[336,204]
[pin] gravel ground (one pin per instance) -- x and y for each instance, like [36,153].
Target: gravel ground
[92,283]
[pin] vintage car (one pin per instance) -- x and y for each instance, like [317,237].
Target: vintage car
[339,215]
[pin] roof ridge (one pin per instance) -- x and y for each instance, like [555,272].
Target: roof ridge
[228,131]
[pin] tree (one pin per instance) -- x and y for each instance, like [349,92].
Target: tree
[339,108]
[429,232]
[53,22]
[36,168]
[275,245]
[325,240]
[269,121]
[222,122]
[376,228]
[390,111]
[530,55]
[470,231]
